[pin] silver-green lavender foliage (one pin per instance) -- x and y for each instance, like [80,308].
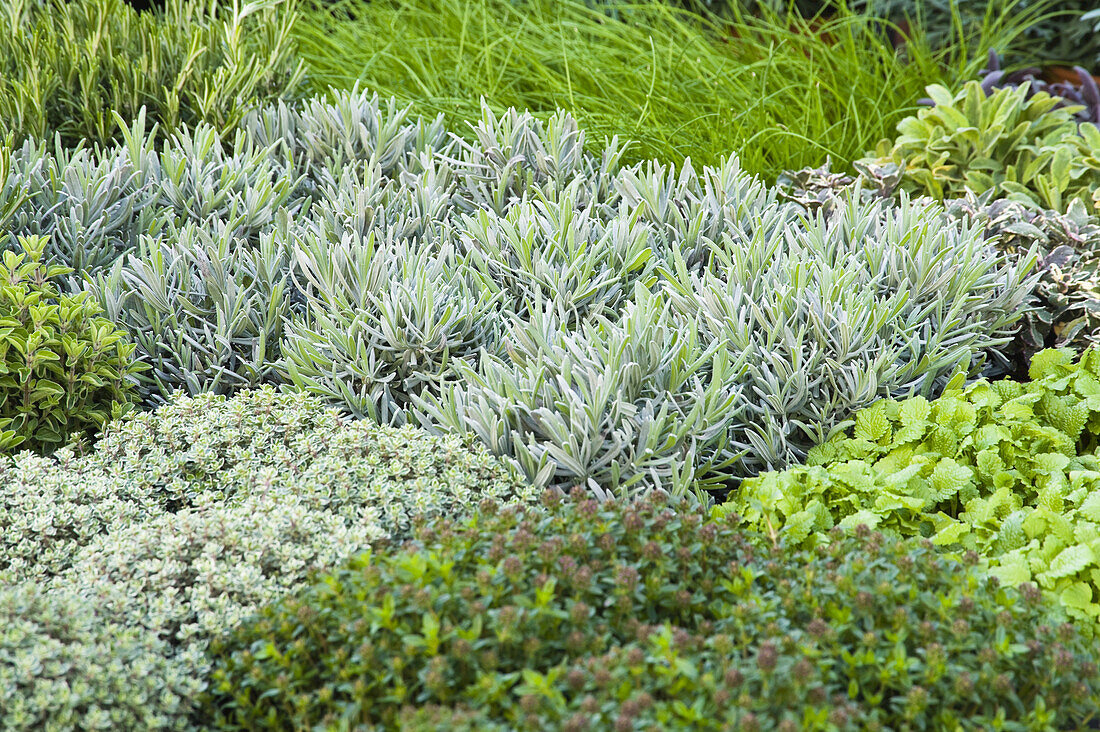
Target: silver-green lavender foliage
[120,565]
[205,308]
[345,250]
[351,127]
[147,229]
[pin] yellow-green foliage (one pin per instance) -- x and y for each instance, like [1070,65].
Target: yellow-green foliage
[1006,469]
[1022,147]
[64,369]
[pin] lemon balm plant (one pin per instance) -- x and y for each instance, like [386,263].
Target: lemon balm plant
[64,369]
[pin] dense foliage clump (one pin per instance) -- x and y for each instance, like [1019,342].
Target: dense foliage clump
[67,66]
[619,615]
[117,567]
[1022,145]
[1064,309]
[1065,306]
[1005,469]
[64,369]
[694,327]
[194,453]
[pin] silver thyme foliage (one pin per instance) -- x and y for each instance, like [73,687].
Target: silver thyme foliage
[64,666]
[210,450]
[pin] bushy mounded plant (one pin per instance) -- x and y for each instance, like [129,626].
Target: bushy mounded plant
[594,322]
[97,205]
[1022,145]
[635,615]
[1064,307]
[64,369]
[64,667]
[1065,311]
[65,67]
[591,321]
[783,93]
[189,247]
[1006,469]
[196,452]
[183,522]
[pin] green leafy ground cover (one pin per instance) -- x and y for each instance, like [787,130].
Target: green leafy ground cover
[1006,469]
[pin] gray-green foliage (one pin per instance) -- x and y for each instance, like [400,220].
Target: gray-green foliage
[324,135]
[677,325]
[205,308]
[66,65]
[743,360]
[188,246]
[647,309]
[1065,308]
[388,317]
[120,565]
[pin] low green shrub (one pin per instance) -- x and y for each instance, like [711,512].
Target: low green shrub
[637,615]
[1006,469]
[1021,145]
[66,66]
[64,369]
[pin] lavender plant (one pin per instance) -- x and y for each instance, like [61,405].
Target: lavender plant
[344,249]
